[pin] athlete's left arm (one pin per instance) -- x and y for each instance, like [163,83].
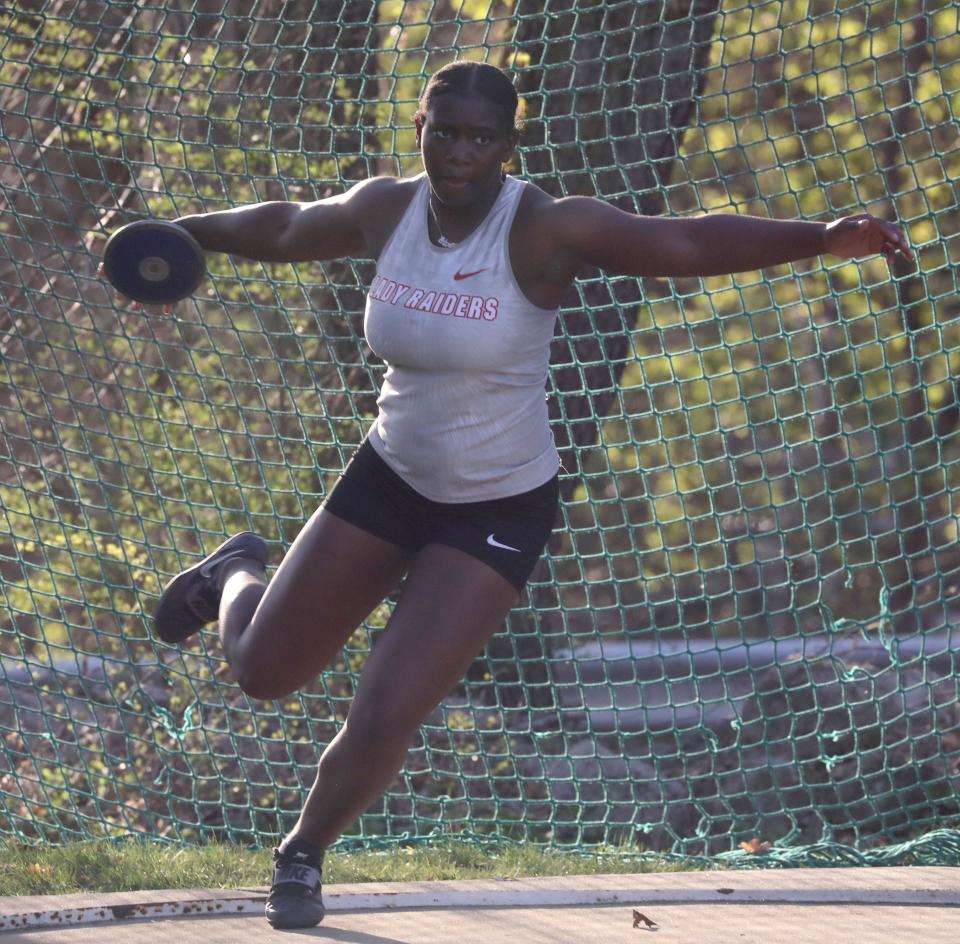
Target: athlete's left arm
[595,233]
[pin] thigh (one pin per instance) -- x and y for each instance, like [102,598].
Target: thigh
[331,578]
[451,605]
[508,534]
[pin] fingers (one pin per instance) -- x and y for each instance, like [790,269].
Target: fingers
[887,239]
[853,237]
[117,296]
[895,241]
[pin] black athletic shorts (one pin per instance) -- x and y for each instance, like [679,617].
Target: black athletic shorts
[508,534]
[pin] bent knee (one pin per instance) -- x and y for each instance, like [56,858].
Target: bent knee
[264,673]
[261,684]
[267,667]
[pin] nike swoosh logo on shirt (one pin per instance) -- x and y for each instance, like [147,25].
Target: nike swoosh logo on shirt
[493,542]
[460,276]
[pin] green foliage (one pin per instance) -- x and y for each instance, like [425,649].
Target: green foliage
[113,867]
[795,119]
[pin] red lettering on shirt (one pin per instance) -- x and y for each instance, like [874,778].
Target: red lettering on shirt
[418,298]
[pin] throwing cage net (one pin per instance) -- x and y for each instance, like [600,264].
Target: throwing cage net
[743,630]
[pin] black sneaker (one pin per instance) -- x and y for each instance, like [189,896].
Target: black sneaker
[192,598]
[295,900]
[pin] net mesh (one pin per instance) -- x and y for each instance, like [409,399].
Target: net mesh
[742,633]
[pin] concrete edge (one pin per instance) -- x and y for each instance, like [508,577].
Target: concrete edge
[58,916]
[906,886]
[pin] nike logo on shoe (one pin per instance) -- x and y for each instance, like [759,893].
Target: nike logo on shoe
[460,276]
[493,542]
[301,874]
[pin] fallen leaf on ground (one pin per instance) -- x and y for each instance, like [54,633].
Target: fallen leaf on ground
[756,846]
[639,918]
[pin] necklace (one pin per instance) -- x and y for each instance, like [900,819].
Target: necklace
[441,239]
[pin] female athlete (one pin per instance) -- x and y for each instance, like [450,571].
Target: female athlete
[455,487]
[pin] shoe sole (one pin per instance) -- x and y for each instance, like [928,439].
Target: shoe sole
[297,913]
[168,620]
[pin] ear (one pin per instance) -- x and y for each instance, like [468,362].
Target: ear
[510,148]
[418,124]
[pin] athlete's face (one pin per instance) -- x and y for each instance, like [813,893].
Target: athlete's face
[464,146]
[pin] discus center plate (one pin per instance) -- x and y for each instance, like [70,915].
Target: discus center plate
[154,269]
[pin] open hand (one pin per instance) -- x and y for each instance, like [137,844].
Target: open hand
[864,235]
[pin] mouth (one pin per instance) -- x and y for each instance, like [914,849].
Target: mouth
[455,184]
[452,190]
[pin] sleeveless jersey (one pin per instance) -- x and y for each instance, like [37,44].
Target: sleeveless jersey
[462,407]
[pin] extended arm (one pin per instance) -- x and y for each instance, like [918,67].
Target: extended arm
[267,232]
[279,231]
[622,243]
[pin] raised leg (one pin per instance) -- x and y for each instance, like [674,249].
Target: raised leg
[279,635]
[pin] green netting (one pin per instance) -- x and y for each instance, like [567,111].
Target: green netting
[744,628]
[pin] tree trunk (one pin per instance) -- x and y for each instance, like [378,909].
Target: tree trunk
[610,89]
[908,556]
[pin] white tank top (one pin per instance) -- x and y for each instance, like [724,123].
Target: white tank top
[462,409]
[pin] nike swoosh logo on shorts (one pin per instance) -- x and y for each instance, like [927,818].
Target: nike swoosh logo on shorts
[493,542]
[460,276]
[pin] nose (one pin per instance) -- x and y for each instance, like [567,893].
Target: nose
[461,150]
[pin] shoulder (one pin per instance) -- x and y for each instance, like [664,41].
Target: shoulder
[568,215]
[587,231]
[555,238]
[378,204]
[378,195]
[549,228]
[543,269]
[534,201]
[558,221]
[379,189]
[535,211]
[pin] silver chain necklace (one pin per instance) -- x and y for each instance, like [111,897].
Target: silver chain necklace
[441,239]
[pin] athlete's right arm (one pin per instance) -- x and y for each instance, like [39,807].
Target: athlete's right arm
[280,231]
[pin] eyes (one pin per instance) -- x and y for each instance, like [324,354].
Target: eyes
[444,133]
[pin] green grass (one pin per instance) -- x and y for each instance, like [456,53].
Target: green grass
[103,866]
